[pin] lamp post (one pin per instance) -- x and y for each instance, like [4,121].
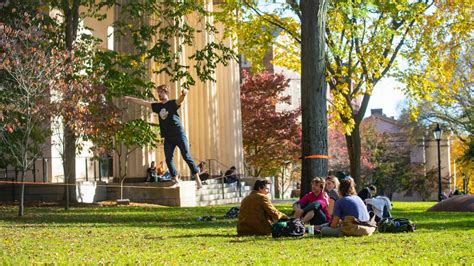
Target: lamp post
[437,135]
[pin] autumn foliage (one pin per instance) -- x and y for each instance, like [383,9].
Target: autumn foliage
[270,137]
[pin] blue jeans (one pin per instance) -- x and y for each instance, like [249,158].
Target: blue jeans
[182,143]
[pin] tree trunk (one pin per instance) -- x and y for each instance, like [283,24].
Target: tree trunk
[354,149]
[69,161]
[71,17]
[313,91]
[21,210]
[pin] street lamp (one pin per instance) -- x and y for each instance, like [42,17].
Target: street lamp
[437,135]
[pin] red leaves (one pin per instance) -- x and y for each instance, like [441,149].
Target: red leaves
[270,137]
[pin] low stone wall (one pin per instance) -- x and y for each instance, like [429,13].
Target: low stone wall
[87,192]
[410,197]
[95,191]
[40,192]
[91,191]
[156,193]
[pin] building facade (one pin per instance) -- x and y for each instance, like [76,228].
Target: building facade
[211,116]
[424,151]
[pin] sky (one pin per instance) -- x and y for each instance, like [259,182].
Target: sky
[386,96]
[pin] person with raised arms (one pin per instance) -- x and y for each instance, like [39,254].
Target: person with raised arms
[171,129]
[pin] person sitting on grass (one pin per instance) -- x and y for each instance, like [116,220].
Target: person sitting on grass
[312,207]
[367,192]
[257,212]
[332,186]
[350,215]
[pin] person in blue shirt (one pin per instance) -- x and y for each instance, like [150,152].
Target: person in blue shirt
[349,205]
[171,129]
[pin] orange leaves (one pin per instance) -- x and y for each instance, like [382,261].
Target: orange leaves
[9,128]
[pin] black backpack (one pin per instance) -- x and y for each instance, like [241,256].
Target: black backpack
[395,225]
[290,227]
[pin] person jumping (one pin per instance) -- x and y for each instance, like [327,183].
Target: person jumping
[171,129]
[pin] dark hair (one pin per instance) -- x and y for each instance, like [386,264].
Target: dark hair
[261,183]
[233,168]
[372,188]
[347,187]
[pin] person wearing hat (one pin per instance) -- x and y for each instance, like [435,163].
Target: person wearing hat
[257,212]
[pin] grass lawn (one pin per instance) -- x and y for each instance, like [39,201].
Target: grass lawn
[165,235]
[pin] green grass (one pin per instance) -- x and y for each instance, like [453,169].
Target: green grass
[165,235]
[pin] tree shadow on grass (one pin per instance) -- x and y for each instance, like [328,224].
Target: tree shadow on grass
[447,225]
[435,221]
[129,217]
[234,238]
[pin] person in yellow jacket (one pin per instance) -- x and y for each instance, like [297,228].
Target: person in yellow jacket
[257,211]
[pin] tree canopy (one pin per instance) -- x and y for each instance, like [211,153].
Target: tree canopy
[416,41]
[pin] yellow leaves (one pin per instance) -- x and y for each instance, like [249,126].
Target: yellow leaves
[463,169]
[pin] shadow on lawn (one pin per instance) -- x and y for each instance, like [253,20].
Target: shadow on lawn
[234,238]
[438,220]
[120,216]
[173,217]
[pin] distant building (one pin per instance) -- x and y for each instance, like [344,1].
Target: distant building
[294,88]
[423,151]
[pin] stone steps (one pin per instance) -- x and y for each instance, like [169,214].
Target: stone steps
[215,189]
[220,202]
[228,195]
[211,193]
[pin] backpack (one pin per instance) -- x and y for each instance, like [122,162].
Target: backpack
[291,227]
[232,213]
[395,225]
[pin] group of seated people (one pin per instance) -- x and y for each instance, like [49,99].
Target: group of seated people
[230,175]
[158,173]
[332,206]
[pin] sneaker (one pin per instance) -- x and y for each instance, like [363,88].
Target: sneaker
[175,180]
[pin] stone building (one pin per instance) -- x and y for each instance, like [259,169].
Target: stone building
[424,151]
[211,117]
